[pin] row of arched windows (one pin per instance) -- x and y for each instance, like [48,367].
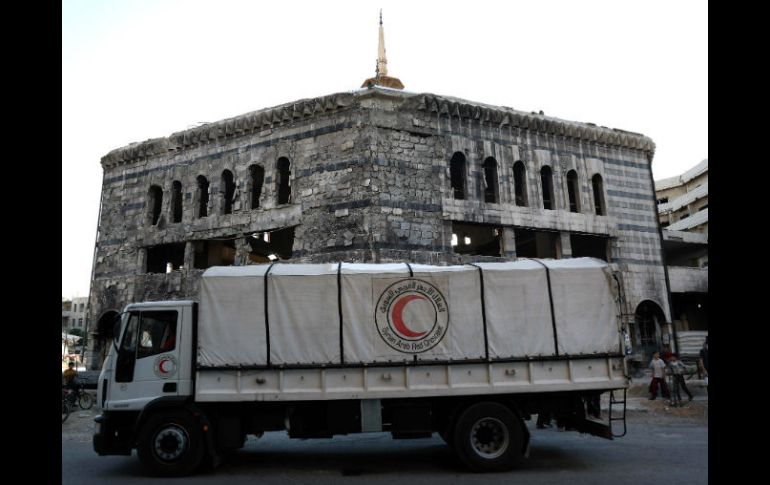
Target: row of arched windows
[227,191]
[458,179]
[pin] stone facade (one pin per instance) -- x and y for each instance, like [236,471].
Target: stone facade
[370,181]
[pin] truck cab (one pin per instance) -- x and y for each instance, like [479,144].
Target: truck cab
[149,364]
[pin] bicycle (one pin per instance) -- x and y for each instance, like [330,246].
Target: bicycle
[65,408]
[84,399]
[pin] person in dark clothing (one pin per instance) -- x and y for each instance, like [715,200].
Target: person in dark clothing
[543,419]
[677,379]
[703,362]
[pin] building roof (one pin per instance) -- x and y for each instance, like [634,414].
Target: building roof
[690,174]
[257,121]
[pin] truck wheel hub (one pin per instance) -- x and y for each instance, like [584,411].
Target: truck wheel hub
[170,443]
[489,438]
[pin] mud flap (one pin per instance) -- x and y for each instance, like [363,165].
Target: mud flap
[596,428]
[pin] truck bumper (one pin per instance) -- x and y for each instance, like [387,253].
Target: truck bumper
[111,438]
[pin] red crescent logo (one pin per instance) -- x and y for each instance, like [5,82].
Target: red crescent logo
[398,318]
[160,366]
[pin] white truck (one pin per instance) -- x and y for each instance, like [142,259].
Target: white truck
[318,350]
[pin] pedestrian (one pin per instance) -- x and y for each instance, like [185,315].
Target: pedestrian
[543,419]
[703,361]
[658,377]
[677,374]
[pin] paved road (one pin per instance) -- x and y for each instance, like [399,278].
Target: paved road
[672,451]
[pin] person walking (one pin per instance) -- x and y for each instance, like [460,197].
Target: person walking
[703,361]
[658,377]
[677,377]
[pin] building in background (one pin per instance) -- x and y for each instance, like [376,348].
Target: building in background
[683,212]
[378,175]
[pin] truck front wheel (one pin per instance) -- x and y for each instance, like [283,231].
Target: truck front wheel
[488,437]
[170,444]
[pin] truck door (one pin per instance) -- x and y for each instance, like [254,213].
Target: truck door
[148,359]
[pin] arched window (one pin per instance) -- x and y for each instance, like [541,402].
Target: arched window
[520,183]
[203,196]
[284,189]
[573,190]
[457,174]
[176,201]
[490,180]
[546,177]
[154,203]
[257,179]
[228,191]
[598,186]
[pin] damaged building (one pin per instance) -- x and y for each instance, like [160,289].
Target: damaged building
[683,212]
[377,175]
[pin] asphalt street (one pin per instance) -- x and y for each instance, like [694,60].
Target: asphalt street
[655,449]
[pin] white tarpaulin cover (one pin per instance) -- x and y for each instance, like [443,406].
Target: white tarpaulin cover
[388,315]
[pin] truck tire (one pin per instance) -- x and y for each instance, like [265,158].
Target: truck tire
[488,437]
[170,444]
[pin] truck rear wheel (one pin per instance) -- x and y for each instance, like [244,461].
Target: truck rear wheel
[488,437]
[170,444]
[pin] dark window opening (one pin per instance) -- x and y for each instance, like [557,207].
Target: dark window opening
[458,175]
[490,180]
[228,191]
[520,183]
[284,187]
[546,178]
[271,246]
[663,200]
[176,201]
[257,179]
[203,196]
[573,190]
[704,207]
[598,186]
[664,224]
[213,253]
[154,202]
[165,258]
[684,216]
[536,244]
[691,311]
[476,239]
[584,245]
[684,254]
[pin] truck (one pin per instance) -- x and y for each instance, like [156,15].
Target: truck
[466,351]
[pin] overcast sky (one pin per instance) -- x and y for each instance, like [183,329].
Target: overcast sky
[134,70]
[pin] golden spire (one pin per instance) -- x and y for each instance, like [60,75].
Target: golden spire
[381,77]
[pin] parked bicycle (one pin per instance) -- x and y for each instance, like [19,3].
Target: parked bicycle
[81,397]
[65,407]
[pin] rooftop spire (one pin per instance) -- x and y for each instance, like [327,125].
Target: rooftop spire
[381,77]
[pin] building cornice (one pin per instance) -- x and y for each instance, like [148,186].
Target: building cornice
[246,124]
[268,118]
[503,116]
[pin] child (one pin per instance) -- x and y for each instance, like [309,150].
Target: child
[658,377]
[677,371]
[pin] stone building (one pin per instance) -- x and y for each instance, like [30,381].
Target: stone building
[683,212]
[377,175]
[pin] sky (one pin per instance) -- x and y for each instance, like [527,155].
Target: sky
[139,69]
